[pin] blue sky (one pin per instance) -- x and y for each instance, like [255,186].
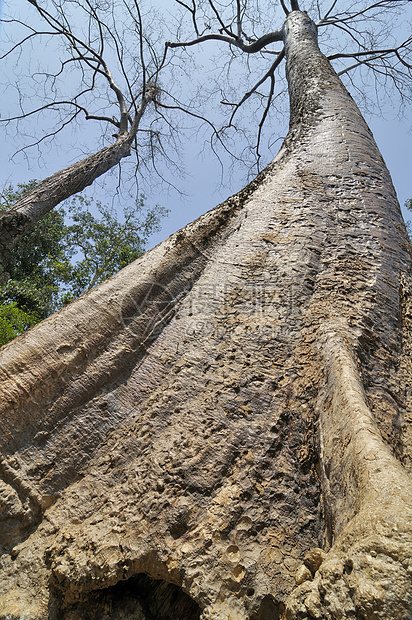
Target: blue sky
[202,185]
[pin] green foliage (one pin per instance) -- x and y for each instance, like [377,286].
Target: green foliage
[14,321]
[104,245]
[34,284]
[57,261]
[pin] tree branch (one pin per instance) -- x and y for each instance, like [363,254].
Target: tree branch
[219,19]
[284,7]
[267,75]
[393,50]
[75,41]
[251,48]
[351,16]
[193,13]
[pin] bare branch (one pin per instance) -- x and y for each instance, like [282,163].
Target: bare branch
[59,104]
[23,41]
[364,61]
[284,7]
[383,52]
[75,41]
[265,113]
[267,75]
[219,19]
[256,46]
[341,18]
[238,19]
[329,11]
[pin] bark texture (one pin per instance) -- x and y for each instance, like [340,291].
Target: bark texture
[223,429]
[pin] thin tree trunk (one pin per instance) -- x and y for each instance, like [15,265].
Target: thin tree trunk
[230,411]
[17,221]
[26,212]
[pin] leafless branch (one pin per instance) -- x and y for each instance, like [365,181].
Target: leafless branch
[348,17]
[249,48]
[116,80]
[382,52]
[284,7]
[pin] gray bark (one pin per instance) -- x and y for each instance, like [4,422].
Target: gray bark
[229,415]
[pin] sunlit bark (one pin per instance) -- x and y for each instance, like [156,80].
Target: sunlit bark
[231,411]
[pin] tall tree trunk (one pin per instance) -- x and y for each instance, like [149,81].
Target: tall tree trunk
[222,430]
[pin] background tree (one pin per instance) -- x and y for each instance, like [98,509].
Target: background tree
[59,260]
[222,429]
[40,262]
[85,55]
[103,245]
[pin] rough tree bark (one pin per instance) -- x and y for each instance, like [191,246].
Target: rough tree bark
[223,429]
